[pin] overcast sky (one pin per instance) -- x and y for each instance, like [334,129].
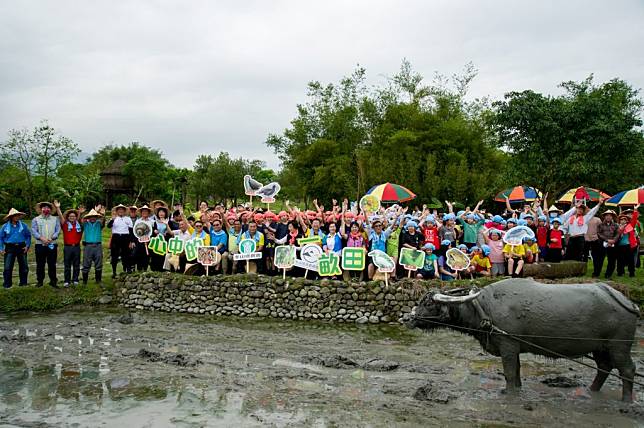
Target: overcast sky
[192,77]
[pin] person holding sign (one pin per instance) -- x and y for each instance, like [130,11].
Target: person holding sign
[219,239]
[183,235]
[378,240]
[355,239]
[446,272]
[142,253]
[258,237]
[430,267]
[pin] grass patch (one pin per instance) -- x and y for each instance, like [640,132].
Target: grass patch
[47,298]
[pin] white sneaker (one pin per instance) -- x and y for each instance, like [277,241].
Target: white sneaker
[66,284]
[75,283]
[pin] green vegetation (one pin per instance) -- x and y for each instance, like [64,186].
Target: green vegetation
[47,298]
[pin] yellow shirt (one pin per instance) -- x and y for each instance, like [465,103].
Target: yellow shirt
[514,250]
[534,248]
[482,261]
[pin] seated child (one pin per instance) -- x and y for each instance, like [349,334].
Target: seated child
[514,254]
[446,272]
[531,250]
[480,264]
[430,268]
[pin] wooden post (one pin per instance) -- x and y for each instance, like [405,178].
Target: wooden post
[247,265]
[409,273]
[386,280]
[206,270]
[284,274]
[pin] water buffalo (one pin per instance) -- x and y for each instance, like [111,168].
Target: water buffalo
[587,319]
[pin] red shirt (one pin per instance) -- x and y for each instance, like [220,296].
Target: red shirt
[430,235]
[73,236]
[542,236]
[558,235]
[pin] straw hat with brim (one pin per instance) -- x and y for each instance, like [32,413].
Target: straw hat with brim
[119,206]
[13,212]
[145,207]
[609,212]
[624,216]
[158,201]
[133,207]
[554,209]
[39,205]
[68,212]
[93,213]
[164,209]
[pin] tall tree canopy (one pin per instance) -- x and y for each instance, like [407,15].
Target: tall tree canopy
[590,135]
[349,136]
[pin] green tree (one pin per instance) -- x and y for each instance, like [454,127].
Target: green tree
[37,155]
[590,136]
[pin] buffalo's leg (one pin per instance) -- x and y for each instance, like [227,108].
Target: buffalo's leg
[517,379]
[626,367]
[510,358]
[602,359]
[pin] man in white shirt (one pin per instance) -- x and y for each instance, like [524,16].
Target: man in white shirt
[576,219]
[122,239]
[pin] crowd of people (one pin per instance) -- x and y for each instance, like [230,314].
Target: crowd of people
[575,234]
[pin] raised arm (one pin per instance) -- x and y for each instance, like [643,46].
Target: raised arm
[58,212]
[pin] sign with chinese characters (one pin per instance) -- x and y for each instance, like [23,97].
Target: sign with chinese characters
[353,258]
[176,246]
[158,245]
[329,265]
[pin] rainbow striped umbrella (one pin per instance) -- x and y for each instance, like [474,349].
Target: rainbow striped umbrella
[628,197]
[519,194]
[582,192]
[390,193]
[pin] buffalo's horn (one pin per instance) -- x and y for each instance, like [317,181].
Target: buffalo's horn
[443,298]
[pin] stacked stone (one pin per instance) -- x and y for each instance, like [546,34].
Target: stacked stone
[261,296]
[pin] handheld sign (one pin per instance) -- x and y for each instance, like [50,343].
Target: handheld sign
[284,258]
[158,245]
[309,255]
[329,265]
[456,259]
[247,252]
[516,235]
[251,186]
[175,246]
[411,259]
[369,203]
[208,256]
[143,232]
[312,240]
[353,258]
[268,192]
[191,250]
[384,263]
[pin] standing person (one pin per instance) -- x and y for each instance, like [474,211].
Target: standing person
[577,218]
[15,240]
[608,234]
[45,228]
[234,230]
[627,243]
[258,237]
[161,228]
[497,258]
[219,239]
[555,239]
[142,254]
[72,234]
[592,241]
[93,244]
[122,239]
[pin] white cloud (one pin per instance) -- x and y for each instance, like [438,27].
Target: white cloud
[200,77]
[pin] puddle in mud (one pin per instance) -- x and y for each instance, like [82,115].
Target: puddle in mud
[88,369]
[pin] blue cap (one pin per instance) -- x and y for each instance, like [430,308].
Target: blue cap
[528,238]
[522,222]
[470,216]
[512,220]
[449,216]
[446,242]
[462,247]
[543,218]
[474,248]
[430,219]
[429,246]
[460,213]
[557,219]
[411,223]
[486,249]
[493,231]
[497,219]
[527,216]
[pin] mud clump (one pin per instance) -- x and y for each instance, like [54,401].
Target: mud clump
[128,319]
[334,362]
[429,393]
[176,359]
[561,382]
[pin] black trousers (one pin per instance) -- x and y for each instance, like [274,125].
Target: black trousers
[13,252]
[611,256]
[142,256]
[48,256]
[156,262]
[575,248]
[625,259]
[598,252]
[71,262]
[120,249]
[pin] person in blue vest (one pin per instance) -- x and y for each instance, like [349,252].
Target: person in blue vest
[219,239]
[45,229]
[258,237]
[93,244]
[378,240]
[15,241]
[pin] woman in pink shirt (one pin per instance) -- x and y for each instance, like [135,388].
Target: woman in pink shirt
[493,239]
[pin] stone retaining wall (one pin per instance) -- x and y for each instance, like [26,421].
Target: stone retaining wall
[262,296]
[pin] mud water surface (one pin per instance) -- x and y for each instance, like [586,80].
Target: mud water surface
[89,368]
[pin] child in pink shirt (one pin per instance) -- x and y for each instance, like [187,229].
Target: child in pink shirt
[493,239]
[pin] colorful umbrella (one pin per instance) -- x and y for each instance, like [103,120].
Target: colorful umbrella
[389,192]
[628,197]
[582,192]
[519,194]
